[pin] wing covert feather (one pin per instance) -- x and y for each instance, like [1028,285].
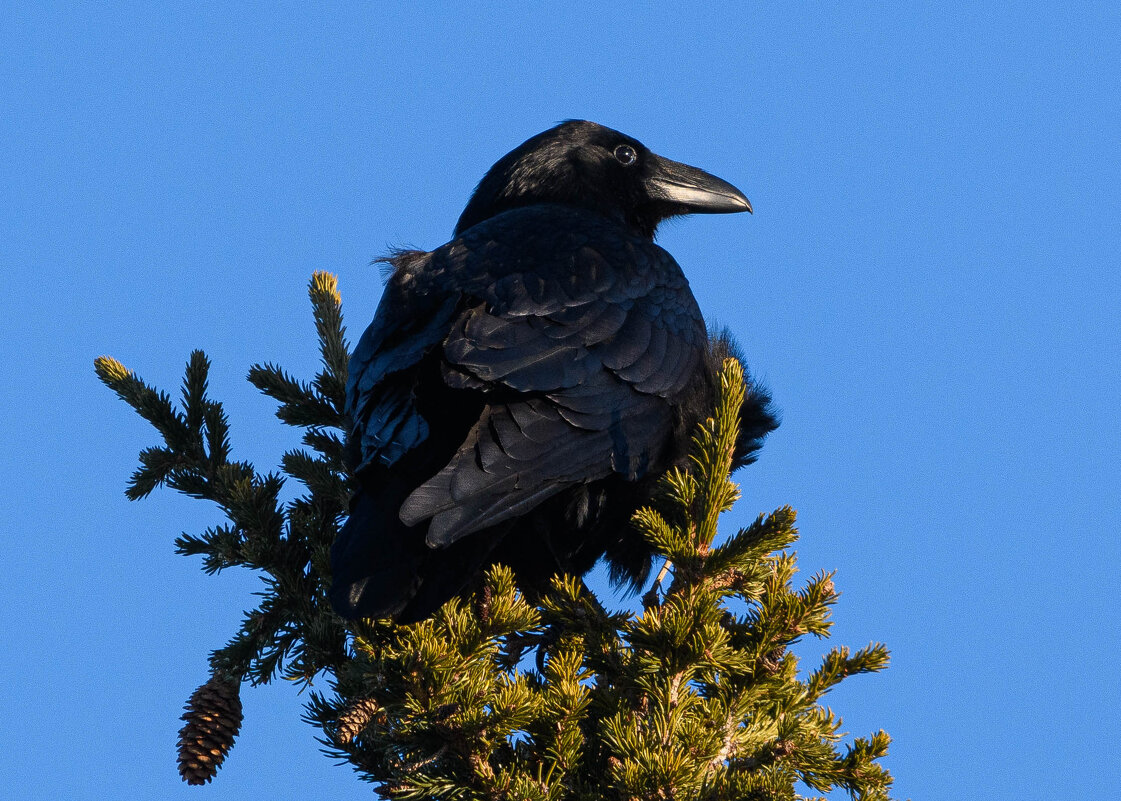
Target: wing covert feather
[580,337]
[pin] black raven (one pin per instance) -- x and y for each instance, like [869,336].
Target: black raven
[521,388]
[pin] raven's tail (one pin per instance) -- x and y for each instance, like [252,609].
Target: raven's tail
[374,564]
[382,568]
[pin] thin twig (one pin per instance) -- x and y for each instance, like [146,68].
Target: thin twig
[651,596]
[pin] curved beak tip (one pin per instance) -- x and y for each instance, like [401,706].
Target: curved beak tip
[730,199]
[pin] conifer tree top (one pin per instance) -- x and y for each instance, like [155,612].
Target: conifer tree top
[697,695]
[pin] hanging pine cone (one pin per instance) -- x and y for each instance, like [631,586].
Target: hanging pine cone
[213,719]
[355,718]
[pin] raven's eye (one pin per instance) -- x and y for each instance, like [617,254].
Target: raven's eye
[626,155]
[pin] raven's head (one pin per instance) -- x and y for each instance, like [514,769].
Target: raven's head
[583,164]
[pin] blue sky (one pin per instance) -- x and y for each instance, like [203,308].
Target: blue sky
[929,285]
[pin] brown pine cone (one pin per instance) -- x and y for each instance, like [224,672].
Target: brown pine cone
[213,719]
[355,718]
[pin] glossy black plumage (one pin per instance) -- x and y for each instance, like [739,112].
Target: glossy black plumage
[522,387]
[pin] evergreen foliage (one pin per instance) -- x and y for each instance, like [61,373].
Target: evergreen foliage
[696,697]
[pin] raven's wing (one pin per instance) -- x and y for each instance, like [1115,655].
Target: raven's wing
[581,338]
[380,392]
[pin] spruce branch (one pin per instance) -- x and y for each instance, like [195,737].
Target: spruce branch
[334,353]
[698,695]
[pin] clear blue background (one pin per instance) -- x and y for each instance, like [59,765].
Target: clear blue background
[929,285]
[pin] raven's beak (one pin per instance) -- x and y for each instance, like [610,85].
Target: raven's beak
[695,191]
